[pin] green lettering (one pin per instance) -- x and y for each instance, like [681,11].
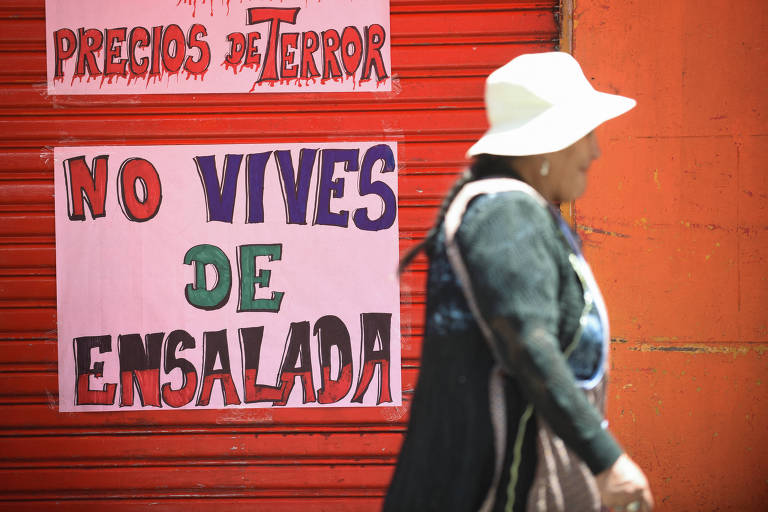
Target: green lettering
[197,293]
[249,278]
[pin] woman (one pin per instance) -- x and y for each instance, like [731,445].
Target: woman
[508,410]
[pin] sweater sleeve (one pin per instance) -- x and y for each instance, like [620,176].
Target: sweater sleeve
[510,247]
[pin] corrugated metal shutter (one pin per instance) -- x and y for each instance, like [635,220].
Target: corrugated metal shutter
[338,459]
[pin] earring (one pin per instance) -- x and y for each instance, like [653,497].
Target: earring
[544,168]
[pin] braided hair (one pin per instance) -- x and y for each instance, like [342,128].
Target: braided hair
[483,166]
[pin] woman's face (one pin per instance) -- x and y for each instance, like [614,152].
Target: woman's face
[567,178]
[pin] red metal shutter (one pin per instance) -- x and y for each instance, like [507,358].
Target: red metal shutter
[254,459]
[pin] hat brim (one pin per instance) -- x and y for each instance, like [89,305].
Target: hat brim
[554,129]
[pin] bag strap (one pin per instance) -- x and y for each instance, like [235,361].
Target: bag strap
[453,218]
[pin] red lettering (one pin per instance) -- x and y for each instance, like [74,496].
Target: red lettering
[182,396]
[84,394]
[289,43]
[333,390]
[351,49]
[133,171]
[332,335]
[375,326]
[274,16]
[181,340]
[157,52]
[311,42]
[259,392]
[88,396]
[140,363]
[288,380]
[86,185]
[215,349]
[65,44]
[296,363]
[200,65]
[228,386]
[252,55]
[174,48]
[113,65]
[148,385]
[236,49]
[90,42]
[331,43]
[375,37]
[139,38]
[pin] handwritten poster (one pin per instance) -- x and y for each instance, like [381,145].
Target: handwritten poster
[222,276]
[217,46]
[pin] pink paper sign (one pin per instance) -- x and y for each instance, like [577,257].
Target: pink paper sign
[227,276]
[221,46]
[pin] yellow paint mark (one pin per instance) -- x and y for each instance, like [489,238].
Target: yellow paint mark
[706,258]
[717,244]
[588,229]
[696,348]
[715,434]
[664,338]
[656,179]
[698,389]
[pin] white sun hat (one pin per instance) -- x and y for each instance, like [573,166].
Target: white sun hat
[540,103]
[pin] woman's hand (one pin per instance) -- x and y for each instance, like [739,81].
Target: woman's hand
[623,486]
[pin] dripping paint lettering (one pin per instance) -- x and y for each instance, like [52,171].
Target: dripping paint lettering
[253,49]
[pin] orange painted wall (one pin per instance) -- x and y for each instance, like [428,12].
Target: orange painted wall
[675,224]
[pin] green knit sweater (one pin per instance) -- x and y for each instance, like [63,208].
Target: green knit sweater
[529,294]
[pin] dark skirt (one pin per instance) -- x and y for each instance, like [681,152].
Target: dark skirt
[447,458]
